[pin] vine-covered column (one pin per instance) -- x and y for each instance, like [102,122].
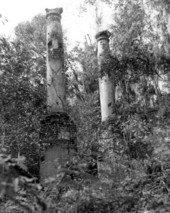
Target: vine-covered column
[56,92]
[107,166]
[57,130]
[106,82]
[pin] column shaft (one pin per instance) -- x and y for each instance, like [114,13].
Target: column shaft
[56,92]
[107,167]
[106,82]
[57,129]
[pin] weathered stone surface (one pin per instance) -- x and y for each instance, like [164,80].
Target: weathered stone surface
[58,143]
[106,83]
[57,137]
[57,127]
[110,168]
[56,91]
[103,35]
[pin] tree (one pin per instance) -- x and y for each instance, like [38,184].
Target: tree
[162,25]
[22,97]
[33,35]
[83,91]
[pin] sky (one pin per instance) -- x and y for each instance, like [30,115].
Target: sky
[75,25]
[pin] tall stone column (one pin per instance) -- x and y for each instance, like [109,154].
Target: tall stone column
[56,92]
[107,167]
[106,82]
[57,130]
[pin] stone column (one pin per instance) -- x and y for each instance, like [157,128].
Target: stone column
[56,92]
[106,82]
[57,130]
[107,167]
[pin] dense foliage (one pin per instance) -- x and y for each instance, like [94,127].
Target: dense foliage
[140,123]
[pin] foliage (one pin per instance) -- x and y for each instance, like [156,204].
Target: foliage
[128,26]
[22,100]
[32,34]
[18,192]
[160,22]
[83,89]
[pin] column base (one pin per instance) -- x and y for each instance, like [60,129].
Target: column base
[58,144]
[110,169]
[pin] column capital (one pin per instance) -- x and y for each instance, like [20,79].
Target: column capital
[56,12]
[103,35]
